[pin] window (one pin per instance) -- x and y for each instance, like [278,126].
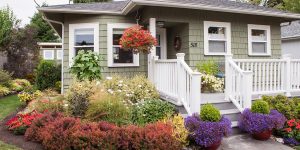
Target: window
[259,40]
[83,37]
[48,54]
[118,57]
[59,54]
[217,38]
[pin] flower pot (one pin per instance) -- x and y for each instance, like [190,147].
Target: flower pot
[262,136]
[214,146]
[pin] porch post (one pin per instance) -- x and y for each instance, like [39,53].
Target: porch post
[287,75]
[227,77]
[152,29]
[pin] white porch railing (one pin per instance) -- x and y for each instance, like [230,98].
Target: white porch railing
[238,85]
[177,82]
[265,76]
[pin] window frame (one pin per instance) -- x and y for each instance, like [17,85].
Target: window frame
[267,28]
[52,54]
[110,62]
[59,57]
[227,26]
[72,28]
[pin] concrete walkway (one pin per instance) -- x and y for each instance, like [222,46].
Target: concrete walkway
[246,142]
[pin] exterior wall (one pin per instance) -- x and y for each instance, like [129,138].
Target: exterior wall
[3,59]
[291,47]
[239,29]
[103,21]
[189,24]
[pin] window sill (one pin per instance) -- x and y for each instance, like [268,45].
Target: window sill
[122,65]
[216,54]
[266,55]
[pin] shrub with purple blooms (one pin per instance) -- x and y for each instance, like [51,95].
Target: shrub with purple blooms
[257,123]
[205,133]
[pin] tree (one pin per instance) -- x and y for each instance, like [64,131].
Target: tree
[45,33]
[22,52]
[7,22]
[89,1]
[292,5]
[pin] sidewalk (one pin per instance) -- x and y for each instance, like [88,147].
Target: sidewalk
[246,142]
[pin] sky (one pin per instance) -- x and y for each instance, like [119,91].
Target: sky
[24,9]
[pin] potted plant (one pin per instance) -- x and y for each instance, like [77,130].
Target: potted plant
[137,40]
[259,121]
[208,129]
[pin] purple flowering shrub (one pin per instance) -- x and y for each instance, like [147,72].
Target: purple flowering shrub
[206,133]
[290,141]
[257,123]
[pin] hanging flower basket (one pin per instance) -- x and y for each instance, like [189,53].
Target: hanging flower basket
[137,40]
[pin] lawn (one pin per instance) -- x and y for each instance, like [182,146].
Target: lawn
[4,146]
[8,105]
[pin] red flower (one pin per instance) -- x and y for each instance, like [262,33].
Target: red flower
[288,129]
[291,122]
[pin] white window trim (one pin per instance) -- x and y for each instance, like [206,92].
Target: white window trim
[52,54]
[72,28]
[208,24]
[259,27]
[110,28]
[59,57]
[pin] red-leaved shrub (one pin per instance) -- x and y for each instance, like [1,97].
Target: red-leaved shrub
[38,125]
[21,122]
[56,135]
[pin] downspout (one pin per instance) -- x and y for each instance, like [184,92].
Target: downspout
[62,47]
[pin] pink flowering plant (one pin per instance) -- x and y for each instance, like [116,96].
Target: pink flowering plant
[291,132]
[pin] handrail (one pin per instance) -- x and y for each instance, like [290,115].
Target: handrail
[178,83]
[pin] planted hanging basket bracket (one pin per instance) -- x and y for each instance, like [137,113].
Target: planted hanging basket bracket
[137,40]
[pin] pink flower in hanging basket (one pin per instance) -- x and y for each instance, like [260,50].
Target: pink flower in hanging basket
[137,40]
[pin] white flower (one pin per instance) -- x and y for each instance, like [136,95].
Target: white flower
[139,85]
[66,105]
[110,91]
[119,91]
[120,85]
[108,78]
[121,81]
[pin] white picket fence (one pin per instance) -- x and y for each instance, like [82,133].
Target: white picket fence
[177,82]
[268,76]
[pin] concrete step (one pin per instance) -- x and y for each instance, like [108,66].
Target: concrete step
[224,105]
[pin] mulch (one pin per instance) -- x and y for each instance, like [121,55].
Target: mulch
[17,140]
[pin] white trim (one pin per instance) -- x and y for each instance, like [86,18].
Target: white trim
[49,44]
[59,56]
[163,42]
[48,51]
[110,63]
[72,28]
[226,25]
[267,28]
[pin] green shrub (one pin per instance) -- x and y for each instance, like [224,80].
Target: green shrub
[281,103]
[47,74]
[151,111]
[210,113]
[132,90]
[5,78]
[4,91]
[208,67]
[58,86]
[87,66]
[261,107]
[107,107]
[78,97]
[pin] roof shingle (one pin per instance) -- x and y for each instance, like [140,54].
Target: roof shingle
[292,30]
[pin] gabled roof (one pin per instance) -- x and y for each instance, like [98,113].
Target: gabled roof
[123,7]
[291,31]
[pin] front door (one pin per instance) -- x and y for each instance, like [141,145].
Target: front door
[161,48]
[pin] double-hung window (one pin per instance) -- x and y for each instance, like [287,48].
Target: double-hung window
[48,54]
[217,38]
[83,36]
[259,40]
[118,57]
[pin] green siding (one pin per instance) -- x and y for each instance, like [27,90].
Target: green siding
[186,23]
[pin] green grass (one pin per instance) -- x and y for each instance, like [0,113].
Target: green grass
[4,146]
[8,105]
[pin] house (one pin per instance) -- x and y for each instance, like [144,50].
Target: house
[291,39]
[51,51]
[188,32]
[3,59]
